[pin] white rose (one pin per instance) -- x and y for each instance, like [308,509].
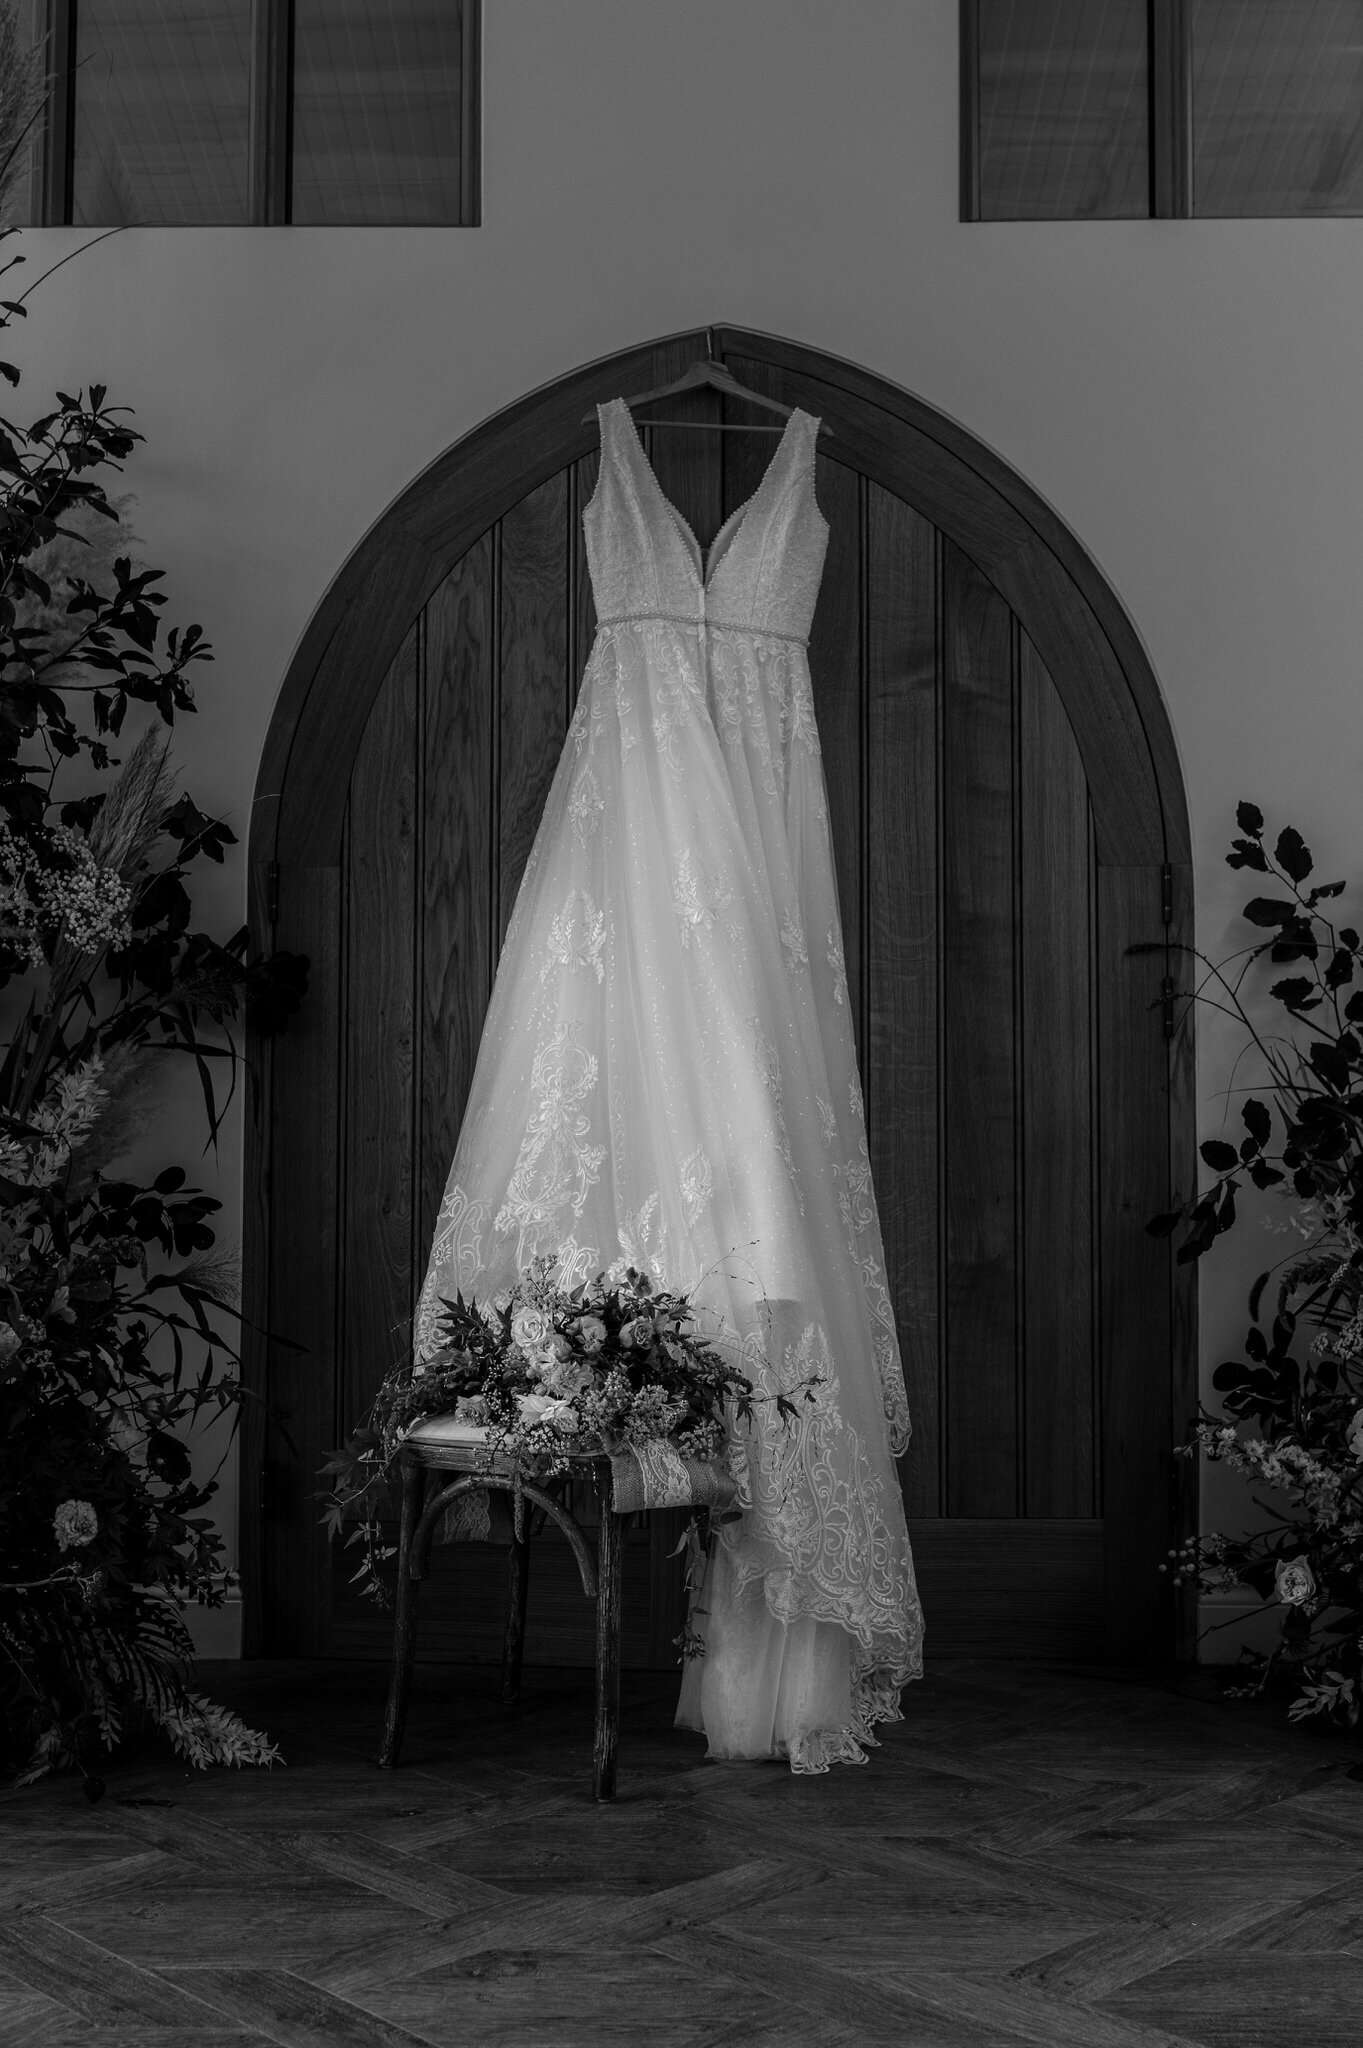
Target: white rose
[531,1329]
[591,1335]
[635,1334]
[1295,1581]
[543,1408]
[1353,1435]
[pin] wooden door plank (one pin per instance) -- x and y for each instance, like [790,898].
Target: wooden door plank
[1056,1011]
[378,1033]
[300,1416]
[1139,1468]
[979,1060]
[901,925]
[533,692]
[457,865]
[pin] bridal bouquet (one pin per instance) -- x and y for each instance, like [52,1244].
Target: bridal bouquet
[548,1371]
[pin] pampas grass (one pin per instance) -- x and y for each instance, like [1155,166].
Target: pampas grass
[128,823]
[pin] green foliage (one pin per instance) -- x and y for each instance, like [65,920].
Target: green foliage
[1295,1397]
[547,1370]
[117,1311]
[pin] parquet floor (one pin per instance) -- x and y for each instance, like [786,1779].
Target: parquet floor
[1035,1855]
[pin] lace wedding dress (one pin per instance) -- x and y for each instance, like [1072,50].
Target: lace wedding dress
[667,1073]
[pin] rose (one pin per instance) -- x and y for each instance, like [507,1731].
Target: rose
[531,1329]
[566,1379]
[591,1335]
[1353,1435]
[636,1333]
[470,1408]
[543,1408]
[75,1523]
[1295,1581]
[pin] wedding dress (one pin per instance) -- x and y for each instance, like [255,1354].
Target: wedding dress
[667,1074]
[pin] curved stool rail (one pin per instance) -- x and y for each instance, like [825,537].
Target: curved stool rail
[424,1501]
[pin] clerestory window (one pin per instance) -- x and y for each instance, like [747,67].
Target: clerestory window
[1132,109]
[194,113]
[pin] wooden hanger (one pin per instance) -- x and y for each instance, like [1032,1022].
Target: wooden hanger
[707,372]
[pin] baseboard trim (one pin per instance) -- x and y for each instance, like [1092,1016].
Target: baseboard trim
[1234,1620]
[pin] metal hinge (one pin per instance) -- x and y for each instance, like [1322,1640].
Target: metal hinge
[1167,992]
[272,891]
[1166,875]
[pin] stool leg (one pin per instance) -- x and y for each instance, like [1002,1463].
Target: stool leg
[607,1641]
[514,1642]
[404,1621]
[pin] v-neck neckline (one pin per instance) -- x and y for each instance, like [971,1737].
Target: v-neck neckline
[705,562]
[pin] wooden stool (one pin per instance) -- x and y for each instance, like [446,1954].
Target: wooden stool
[433,1449]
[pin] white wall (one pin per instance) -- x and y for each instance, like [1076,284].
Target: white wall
[1186,394]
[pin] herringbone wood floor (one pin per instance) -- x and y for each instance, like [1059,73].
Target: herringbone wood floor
[1034,1855]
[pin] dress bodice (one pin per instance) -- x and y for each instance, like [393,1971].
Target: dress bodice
[764,567]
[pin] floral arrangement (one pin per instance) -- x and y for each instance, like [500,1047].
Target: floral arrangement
[116,1306]
[1295,1399]
[548,1371]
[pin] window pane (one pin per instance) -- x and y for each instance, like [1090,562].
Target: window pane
[22,28]
[1063,118]
[376,111]
[162,111]
[1277,107]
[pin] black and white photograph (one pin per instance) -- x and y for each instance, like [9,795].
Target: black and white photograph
[681,1024]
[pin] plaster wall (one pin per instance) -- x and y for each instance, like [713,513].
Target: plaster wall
[1185,394]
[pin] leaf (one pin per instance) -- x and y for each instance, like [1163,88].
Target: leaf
[1247,853]
[9,373]
[1221,1158]
[1250,819]
[1292,854]
[1268,910]
[1164,1226]
[1258,1120]
[1264,1176]
[1295,990]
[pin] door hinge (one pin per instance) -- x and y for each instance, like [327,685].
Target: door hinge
[272,891]
[1167,992]
[1166,875]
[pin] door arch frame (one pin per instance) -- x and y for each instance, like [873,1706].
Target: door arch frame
[1106,683]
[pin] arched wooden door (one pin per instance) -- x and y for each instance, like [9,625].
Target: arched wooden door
[1009,823]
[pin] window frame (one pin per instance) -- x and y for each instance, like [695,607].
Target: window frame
[270,141]
[1170,110]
